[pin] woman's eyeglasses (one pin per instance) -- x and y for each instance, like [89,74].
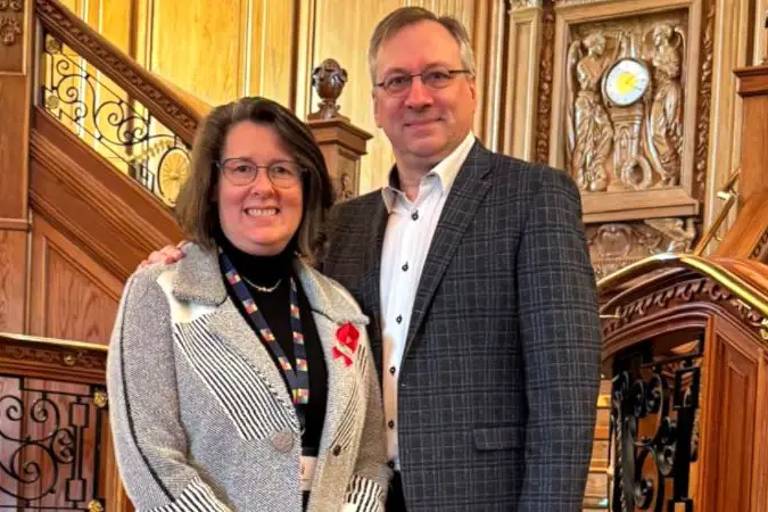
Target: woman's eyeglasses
[241,171]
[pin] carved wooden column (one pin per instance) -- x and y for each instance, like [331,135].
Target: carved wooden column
[341,142]
[15,76]
[527,22]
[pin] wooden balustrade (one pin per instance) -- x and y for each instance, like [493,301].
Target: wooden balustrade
[686,347]
[55,442]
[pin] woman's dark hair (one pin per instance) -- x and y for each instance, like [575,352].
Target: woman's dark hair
[196,208]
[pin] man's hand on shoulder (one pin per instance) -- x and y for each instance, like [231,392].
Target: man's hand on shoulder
[167,255]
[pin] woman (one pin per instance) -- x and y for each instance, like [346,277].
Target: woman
[240,376]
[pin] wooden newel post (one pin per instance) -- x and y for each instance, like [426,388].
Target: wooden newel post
[341,142]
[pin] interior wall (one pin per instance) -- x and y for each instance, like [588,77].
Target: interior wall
[220,51]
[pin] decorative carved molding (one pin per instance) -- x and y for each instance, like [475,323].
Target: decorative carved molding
[546,71]
[697,289]
[10,28]
[514,5]
[54,356]
[615,245]
[12,5]
[759,251]
[704,102]
[624,135]
[166,106]
[11,25]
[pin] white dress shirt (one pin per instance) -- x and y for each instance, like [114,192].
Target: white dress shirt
[410,228]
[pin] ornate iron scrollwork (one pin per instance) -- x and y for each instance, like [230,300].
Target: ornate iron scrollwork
[654,423]
[116,125]
[50,446]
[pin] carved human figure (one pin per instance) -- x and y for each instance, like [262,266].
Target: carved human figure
[345,188]
[592,133]
[665,118]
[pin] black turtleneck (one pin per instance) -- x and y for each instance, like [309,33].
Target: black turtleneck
[265,271]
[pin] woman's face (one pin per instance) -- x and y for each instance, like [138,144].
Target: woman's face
[258,218]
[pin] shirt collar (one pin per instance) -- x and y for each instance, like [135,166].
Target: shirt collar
[445,172]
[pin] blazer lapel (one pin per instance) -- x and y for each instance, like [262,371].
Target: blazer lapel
[199,281]
[370,284]
[331,310]
[464,198]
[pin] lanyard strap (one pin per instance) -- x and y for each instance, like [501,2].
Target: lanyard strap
[298,378]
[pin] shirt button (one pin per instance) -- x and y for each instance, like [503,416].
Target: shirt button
[392,370]
[336,450]
[415,215]
[391,423]
[405,267]
[399,318]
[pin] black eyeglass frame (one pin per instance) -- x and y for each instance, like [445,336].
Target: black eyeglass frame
[451,72]
[220,165]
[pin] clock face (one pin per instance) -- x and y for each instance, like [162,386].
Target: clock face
[626,82]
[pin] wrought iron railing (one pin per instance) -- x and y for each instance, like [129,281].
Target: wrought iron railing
[654,425]
[114,105]
[44,435]
[118,127]
[52,425]
[665,319]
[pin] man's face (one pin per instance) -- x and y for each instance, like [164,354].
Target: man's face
[424,125]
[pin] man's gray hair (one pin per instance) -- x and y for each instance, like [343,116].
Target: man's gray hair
[406,16]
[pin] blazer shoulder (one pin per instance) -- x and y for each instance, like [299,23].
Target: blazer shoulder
[539,176]
[353,206]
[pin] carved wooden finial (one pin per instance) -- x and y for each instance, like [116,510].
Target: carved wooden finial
[328,79]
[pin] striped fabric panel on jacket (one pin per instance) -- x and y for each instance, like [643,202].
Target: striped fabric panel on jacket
[249,400]
[363,494]
[347,424]
[197,497]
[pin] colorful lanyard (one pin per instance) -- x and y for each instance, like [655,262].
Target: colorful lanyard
[298,380]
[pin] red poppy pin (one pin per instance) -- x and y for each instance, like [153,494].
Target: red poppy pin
[347,339]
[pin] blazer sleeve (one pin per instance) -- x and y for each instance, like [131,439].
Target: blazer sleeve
[367,489]
[561,337]
[149,440]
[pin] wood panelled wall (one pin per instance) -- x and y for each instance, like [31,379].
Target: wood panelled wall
[218,51]
[222,50]
[14,175]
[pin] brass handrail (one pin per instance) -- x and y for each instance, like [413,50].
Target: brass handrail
[729,195]
[740,288]
[49,342]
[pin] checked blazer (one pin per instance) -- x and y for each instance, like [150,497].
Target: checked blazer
[499,378]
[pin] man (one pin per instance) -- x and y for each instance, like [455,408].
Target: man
[473,269]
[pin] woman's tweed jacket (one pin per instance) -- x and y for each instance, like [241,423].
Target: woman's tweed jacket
[201,417]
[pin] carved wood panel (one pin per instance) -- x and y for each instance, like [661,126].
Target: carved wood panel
[12,35]
[629,121]
[72,296]
[616,244]
[13,255]
[736,378]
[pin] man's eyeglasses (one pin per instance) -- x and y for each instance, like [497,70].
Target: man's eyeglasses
[400,83]
[241,171]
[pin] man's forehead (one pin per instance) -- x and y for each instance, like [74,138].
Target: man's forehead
[398,50]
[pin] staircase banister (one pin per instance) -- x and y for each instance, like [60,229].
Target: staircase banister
[164,104]
[51,358]
[747,280]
